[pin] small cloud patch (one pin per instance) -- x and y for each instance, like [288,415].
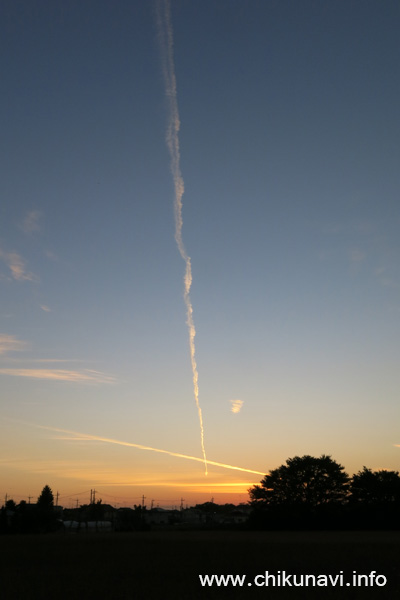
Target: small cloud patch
[236,405]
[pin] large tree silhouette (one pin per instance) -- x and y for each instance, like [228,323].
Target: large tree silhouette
[376,488]
[302,481]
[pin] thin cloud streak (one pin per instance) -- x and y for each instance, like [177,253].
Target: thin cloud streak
[180,485]
[65,469]
[9,343]
[165,32]
[223,485]
[95,438]
[87,376]
[49,360]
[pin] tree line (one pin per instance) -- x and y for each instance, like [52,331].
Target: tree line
[304,493]
[40,517]
[316,493]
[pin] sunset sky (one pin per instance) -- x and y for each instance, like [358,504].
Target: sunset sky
[289,154]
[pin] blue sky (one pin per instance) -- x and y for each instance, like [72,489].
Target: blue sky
[289,154]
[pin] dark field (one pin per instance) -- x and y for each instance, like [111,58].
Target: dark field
[162,565]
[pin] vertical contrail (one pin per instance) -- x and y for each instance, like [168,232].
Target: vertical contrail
[164,27]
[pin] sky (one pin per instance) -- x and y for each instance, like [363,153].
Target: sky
[289,157]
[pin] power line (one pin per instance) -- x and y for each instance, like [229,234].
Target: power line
[77,494]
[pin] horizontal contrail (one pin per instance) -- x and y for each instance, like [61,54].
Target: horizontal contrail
[96,438]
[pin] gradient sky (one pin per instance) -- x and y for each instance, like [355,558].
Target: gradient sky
[289,146]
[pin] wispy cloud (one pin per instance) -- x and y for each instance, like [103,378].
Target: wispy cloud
[45,308]
[51,255]
[49,360]
[82,469]
[385,279]
[236,405]
[31,222]
[356,255]
[17,268]
[348,227]
[240,487]
[84,376]
[9,343]
[16,264]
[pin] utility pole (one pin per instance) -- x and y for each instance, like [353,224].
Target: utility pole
[29,498]
[57,498]
[152,504]
[77,503]
[143,499]
[182,500]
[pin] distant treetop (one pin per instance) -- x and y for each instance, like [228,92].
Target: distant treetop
[46,498]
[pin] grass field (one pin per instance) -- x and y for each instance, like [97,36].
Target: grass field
[165,565]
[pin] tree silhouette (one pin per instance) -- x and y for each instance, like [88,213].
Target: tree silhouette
[376,488]
[305,480]
[46,498]
[306,492]
[45,510]
[375,499]
[10,505]
[96,510]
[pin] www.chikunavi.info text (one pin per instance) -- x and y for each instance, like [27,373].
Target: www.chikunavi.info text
[284,579]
